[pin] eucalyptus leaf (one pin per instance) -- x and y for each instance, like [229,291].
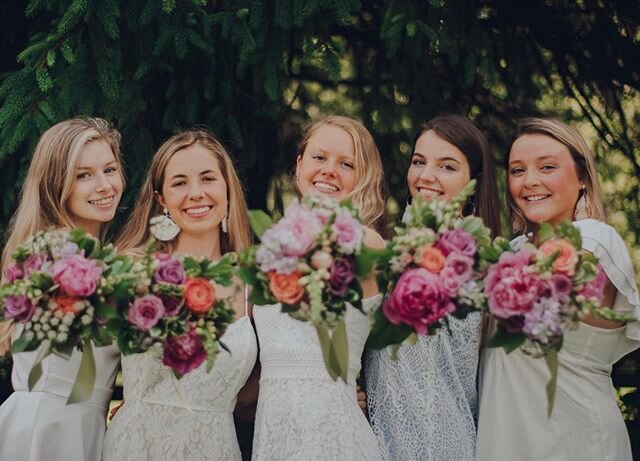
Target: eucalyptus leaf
[260,222]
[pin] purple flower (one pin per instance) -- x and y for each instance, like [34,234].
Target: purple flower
[76,275]
[18,308]
[341,274]
[34,263]
[171,304]
[349,232]
[13,273]
[184,353]
[146,311]
[542,323]
[461,265]
[457,240]
[169,270]
[561,286]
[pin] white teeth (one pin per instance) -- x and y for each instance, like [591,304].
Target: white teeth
[325,186]
[203,209]
[428,192]
[535,198]
[102,201]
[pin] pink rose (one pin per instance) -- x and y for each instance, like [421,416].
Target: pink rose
[146,311]
[76,275]
[561,286]
[13,273]
[34,263]
[418,300]
[462,265]
[18,308]
[595,287]
[348,231]
[451,282]
[457,240]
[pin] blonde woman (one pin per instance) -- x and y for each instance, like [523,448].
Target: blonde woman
[75,180]
[193,186]
[552,178]
[302,413]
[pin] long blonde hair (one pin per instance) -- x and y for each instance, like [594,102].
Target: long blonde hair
[582,157]
[51,176]
[368,196]
[136,232]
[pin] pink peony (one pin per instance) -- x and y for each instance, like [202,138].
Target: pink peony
[418,300]
[13,273]
[297,231]
[184,353]
[451,281]
[348,231]
[507,262]
[76,275]
[514,294]
[146,311]
[457,240]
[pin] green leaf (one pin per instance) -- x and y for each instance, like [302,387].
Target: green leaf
[85,379]
[551,359]
[509,341]
[545,232]
[36,370]
[367,259]
[384,333]
[260,222]
[339,355]
[325,346]
[106,311]
[20,344]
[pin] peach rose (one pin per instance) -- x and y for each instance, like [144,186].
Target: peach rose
[285,287]
[199,295]
[567,255]
[68,304]
[432,259]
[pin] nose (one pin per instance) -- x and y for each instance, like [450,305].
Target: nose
[329,169]
[103,184]
[427,173]
[196,192]
[531,178]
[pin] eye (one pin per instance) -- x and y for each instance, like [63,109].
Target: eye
[84,175]
[318,157]
[209,178]
[548,167]
[178,183]
[516,171]
[417,161]
[348,165]
[111,170]
[448,167]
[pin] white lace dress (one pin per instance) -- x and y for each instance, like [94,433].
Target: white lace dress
[302,413]
[39,425]
[423,405]
[586,423]
[182,420]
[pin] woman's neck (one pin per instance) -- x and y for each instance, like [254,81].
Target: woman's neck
[206,245]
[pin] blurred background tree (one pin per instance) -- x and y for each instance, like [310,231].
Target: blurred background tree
[256,72]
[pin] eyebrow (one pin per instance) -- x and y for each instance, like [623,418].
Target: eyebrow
[92,167]
[443,159]
[180,175]
[539,159]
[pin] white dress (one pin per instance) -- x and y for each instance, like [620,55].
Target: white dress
[586,423]
[423,405]
[190,419]
[38,425]
[302,413]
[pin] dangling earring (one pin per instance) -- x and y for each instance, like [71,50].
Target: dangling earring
[163,227]
[223,224]
[583,209]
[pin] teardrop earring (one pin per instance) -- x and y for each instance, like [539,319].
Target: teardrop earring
[583,209]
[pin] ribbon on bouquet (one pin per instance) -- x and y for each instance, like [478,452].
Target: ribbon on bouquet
[335,349]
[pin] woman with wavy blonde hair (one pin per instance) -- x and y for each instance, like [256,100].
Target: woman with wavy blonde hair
[302,413]
[193,190]
[75,180]
[551,177]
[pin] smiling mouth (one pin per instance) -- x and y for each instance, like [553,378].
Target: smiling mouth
[325,187]
[427,192]
[198,211]
[536,198]
[103,201]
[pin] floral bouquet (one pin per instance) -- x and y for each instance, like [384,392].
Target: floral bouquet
[311,261]
[56,287]
[174,311]
[536,294]
[433,269]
